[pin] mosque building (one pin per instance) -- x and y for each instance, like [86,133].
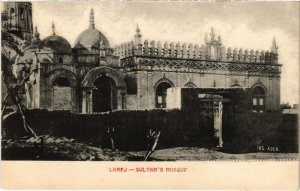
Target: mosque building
[92,76]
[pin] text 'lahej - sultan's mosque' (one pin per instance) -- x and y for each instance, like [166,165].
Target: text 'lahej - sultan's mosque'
[94,77]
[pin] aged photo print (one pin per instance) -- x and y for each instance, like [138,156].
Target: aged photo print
[142,81]
[150,93]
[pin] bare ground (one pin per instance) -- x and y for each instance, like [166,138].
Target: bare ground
[68,149]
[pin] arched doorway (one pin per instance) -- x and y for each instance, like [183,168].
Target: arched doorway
[62,94]
[161,95]
[109,80]
[104,94]
[258,99]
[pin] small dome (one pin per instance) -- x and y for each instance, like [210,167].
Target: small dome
[91,38]
[56,43]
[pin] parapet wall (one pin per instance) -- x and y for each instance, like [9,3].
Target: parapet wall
[208,51]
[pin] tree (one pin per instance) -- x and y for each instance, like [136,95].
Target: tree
[9,44]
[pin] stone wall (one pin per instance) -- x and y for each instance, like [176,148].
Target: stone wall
[242,131]
[147,80]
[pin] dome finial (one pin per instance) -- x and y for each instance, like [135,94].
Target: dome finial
[36,33]
[53,28]
[274,46]
[35,37]
[138,29]
[138,36]
[92,20]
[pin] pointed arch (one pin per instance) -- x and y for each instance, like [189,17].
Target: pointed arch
[259,83]
[95,73]
[62,92]
[160,89]
[164,79]
[190,84]
[62,72]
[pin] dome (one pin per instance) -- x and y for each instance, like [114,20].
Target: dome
[91,38]
[56,43]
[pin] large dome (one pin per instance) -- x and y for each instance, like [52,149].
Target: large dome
[91,38]
[56,43]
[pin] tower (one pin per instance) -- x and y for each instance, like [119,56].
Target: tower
[138,41]
[17,19]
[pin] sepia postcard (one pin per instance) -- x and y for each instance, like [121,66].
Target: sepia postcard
[149,95]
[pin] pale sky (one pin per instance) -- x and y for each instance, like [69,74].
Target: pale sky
[247,25]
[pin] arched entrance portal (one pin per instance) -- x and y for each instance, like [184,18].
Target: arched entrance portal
[104,94]
[103,89]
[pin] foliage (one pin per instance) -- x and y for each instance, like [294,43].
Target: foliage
[9,44]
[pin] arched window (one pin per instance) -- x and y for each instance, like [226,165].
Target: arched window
[161,94]
[12,11]
[258,99]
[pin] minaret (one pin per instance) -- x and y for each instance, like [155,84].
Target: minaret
[138,41]
[219,40]
[274,46]
[274,51]
[92,20]
[18,18]
[212,34]
[137,36]
[35,37]
[53,28]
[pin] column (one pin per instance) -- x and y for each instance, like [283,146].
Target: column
[227,80]
[150,94]
[84,102]
[247,80]
[89,101]
[218,107]
[138,89]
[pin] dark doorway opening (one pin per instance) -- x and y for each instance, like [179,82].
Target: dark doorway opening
[104,96]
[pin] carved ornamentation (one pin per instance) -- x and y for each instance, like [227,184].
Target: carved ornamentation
[189,65]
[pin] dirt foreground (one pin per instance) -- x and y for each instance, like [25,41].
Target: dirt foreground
[62,149]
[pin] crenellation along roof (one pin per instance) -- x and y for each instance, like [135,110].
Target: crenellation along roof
[194,51]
